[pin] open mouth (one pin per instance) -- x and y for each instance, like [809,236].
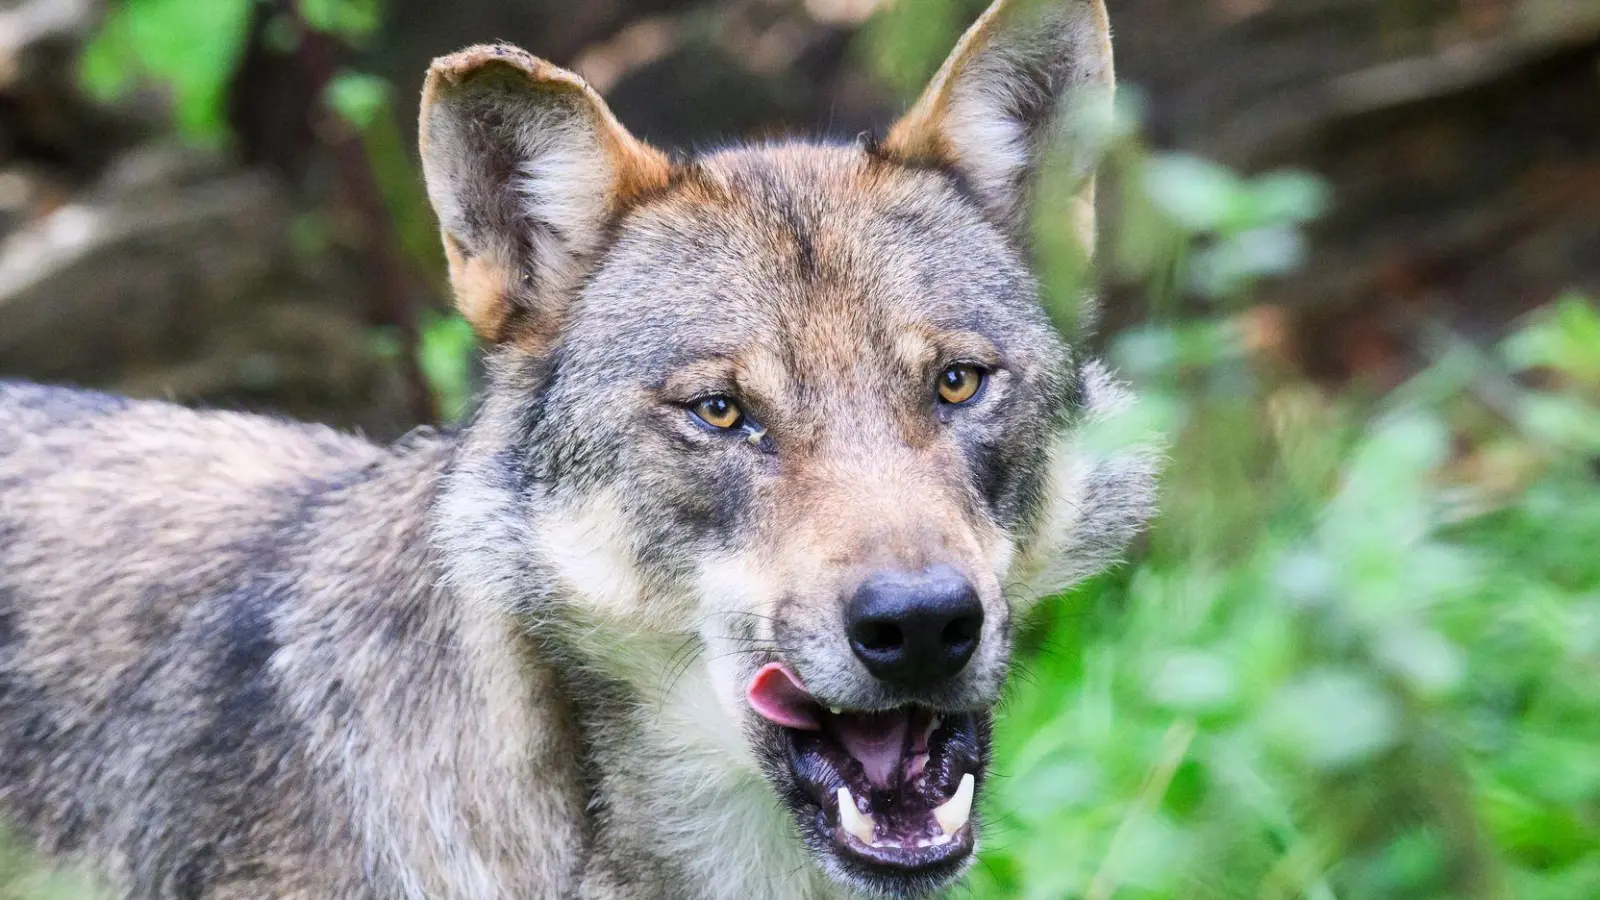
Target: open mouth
[891,791]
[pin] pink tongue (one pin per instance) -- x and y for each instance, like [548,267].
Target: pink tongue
[876,740]
[778,696]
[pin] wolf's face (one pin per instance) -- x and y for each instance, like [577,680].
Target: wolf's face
[810,394]
[798,403]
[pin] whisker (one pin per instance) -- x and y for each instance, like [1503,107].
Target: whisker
[743,612]
[676,676]
[687,646]
[750,651]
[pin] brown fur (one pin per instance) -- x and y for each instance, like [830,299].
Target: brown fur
[246,658]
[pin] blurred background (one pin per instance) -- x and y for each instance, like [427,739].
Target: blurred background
[1350,254]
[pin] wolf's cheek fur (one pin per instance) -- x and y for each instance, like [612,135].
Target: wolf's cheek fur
[1095,502]
[587,549]
[739,594]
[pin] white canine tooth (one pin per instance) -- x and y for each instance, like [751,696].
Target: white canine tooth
[953,814]
[852,820]
[835,710]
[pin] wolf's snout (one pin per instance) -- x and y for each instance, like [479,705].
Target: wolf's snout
[914,629]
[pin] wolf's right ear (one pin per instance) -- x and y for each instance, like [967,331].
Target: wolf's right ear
[524,165]
[1015,84]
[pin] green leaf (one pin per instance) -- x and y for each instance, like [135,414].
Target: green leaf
[189,47]
[358,98]
[1562,420]
[1333,718]
[1565,338]
[354,21]
[1198,194]
[1427,660]
[1287,198]
[1228,267]
[1193,681]
[445,357]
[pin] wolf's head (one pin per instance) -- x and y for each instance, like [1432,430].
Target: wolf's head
[798,405]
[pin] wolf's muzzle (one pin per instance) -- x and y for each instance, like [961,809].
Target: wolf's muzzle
[915,630]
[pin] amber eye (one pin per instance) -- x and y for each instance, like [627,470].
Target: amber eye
[718,412]
[960,383]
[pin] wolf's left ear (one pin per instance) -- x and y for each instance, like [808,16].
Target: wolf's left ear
[1008,95]
[524,165]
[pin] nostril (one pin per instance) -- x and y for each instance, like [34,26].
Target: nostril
[879,637]
[962,630]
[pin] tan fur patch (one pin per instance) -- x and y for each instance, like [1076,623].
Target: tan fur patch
[481,287]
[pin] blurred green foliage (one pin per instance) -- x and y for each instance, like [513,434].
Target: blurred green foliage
[1321,678]
[904,42]
[1252,224]
[355,21]
[445,354]
[191,48]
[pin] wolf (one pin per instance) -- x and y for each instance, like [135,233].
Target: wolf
[714,595]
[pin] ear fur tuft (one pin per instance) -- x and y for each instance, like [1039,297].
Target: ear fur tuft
[524,165]
[1003,98]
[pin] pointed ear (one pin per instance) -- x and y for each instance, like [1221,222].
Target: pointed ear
[524,165]
[1009,94]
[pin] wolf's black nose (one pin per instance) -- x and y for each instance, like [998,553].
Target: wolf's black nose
[914,628]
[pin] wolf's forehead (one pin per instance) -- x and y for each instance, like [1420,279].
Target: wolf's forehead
[811,250]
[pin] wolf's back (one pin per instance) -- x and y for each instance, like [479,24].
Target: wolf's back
[143,548]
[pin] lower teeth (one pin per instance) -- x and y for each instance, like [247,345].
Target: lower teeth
[951,816]
[855,822]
